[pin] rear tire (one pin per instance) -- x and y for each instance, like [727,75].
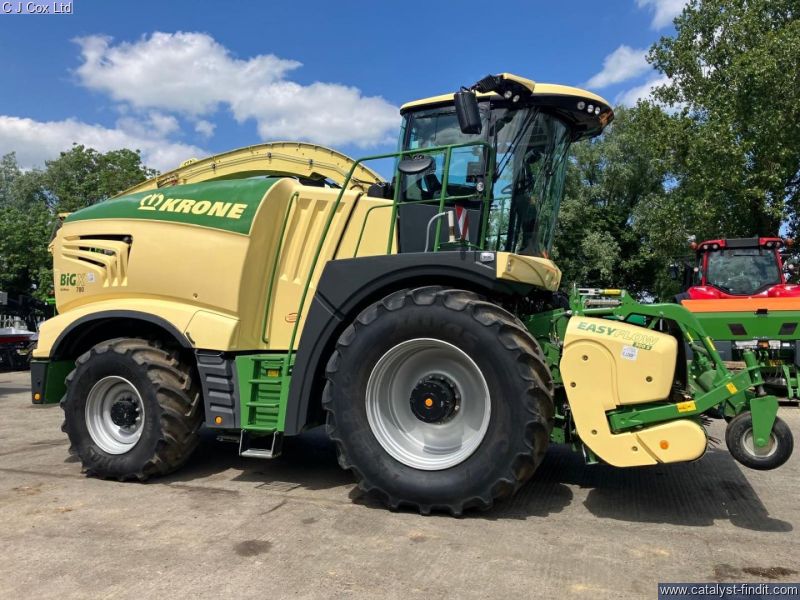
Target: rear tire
[131,410]
[490,385]
[739,439]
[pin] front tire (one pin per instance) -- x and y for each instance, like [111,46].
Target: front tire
[131,410]
[438,400]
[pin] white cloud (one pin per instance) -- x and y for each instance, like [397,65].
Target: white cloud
[622,64]
[153,124]
[191,73]
[166,76]
[205,128]
[664,11]
[36,141]
[631,96]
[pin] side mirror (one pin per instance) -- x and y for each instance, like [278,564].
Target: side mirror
[416,165]
[469,117]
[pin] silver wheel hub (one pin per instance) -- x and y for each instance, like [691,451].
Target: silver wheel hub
[114,414]
[428,404]
[749,445]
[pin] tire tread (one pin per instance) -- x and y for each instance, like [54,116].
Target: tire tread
[177,396]
[538,400]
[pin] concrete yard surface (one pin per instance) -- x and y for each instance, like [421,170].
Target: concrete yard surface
[297,526]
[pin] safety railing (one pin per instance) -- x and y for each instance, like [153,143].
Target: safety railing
[484,196]
[443,196]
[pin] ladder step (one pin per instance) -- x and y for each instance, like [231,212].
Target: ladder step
[266,453]
[263,392]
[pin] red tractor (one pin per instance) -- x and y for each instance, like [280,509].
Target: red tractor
[737,288]
[739,268]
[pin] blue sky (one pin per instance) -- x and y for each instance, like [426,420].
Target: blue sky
[180,79]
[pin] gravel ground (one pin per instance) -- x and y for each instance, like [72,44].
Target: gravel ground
[297,526]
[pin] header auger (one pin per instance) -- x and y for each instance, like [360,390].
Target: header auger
[275,288]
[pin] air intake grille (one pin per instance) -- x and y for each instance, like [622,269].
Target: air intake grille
[109,255]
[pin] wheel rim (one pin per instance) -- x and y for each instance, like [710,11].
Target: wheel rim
[749,445]
[114,414]
[400,431]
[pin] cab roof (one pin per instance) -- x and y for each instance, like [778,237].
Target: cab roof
[562,99]
[734,243]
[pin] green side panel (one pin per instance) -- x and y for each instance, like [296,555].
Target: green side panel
[229,205]
[548,328]
[55,372]
[637,320]
[263,391]
[558,434]
[749,326]
[767,326]
[763,410]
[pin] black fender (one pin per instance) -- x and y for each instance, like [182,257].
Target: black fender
[66,343]
[347,286]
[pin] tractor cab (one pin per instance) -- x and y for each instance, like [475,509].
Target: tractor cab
[501,181]
[740,268]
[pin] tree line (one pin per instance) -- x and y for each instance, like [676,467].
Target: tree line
[30,202]
[714,152]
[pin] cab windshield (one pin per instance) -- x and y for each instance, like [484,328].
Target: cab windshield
[742,271]
[531,149]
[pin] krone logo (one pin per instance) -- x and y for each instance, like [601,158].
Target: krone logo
[157,202]
[151,202]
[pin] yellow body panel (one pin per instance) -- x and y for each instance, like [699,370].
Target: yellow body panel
[675,441]
[533,270]
[606,364]
[641,361]
[304,229]
[212,284]
[367,233]
[207,328]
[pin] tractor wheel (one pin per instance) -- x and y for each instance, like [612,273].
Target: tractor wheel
[131,410]
[438,400]
[739,439]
